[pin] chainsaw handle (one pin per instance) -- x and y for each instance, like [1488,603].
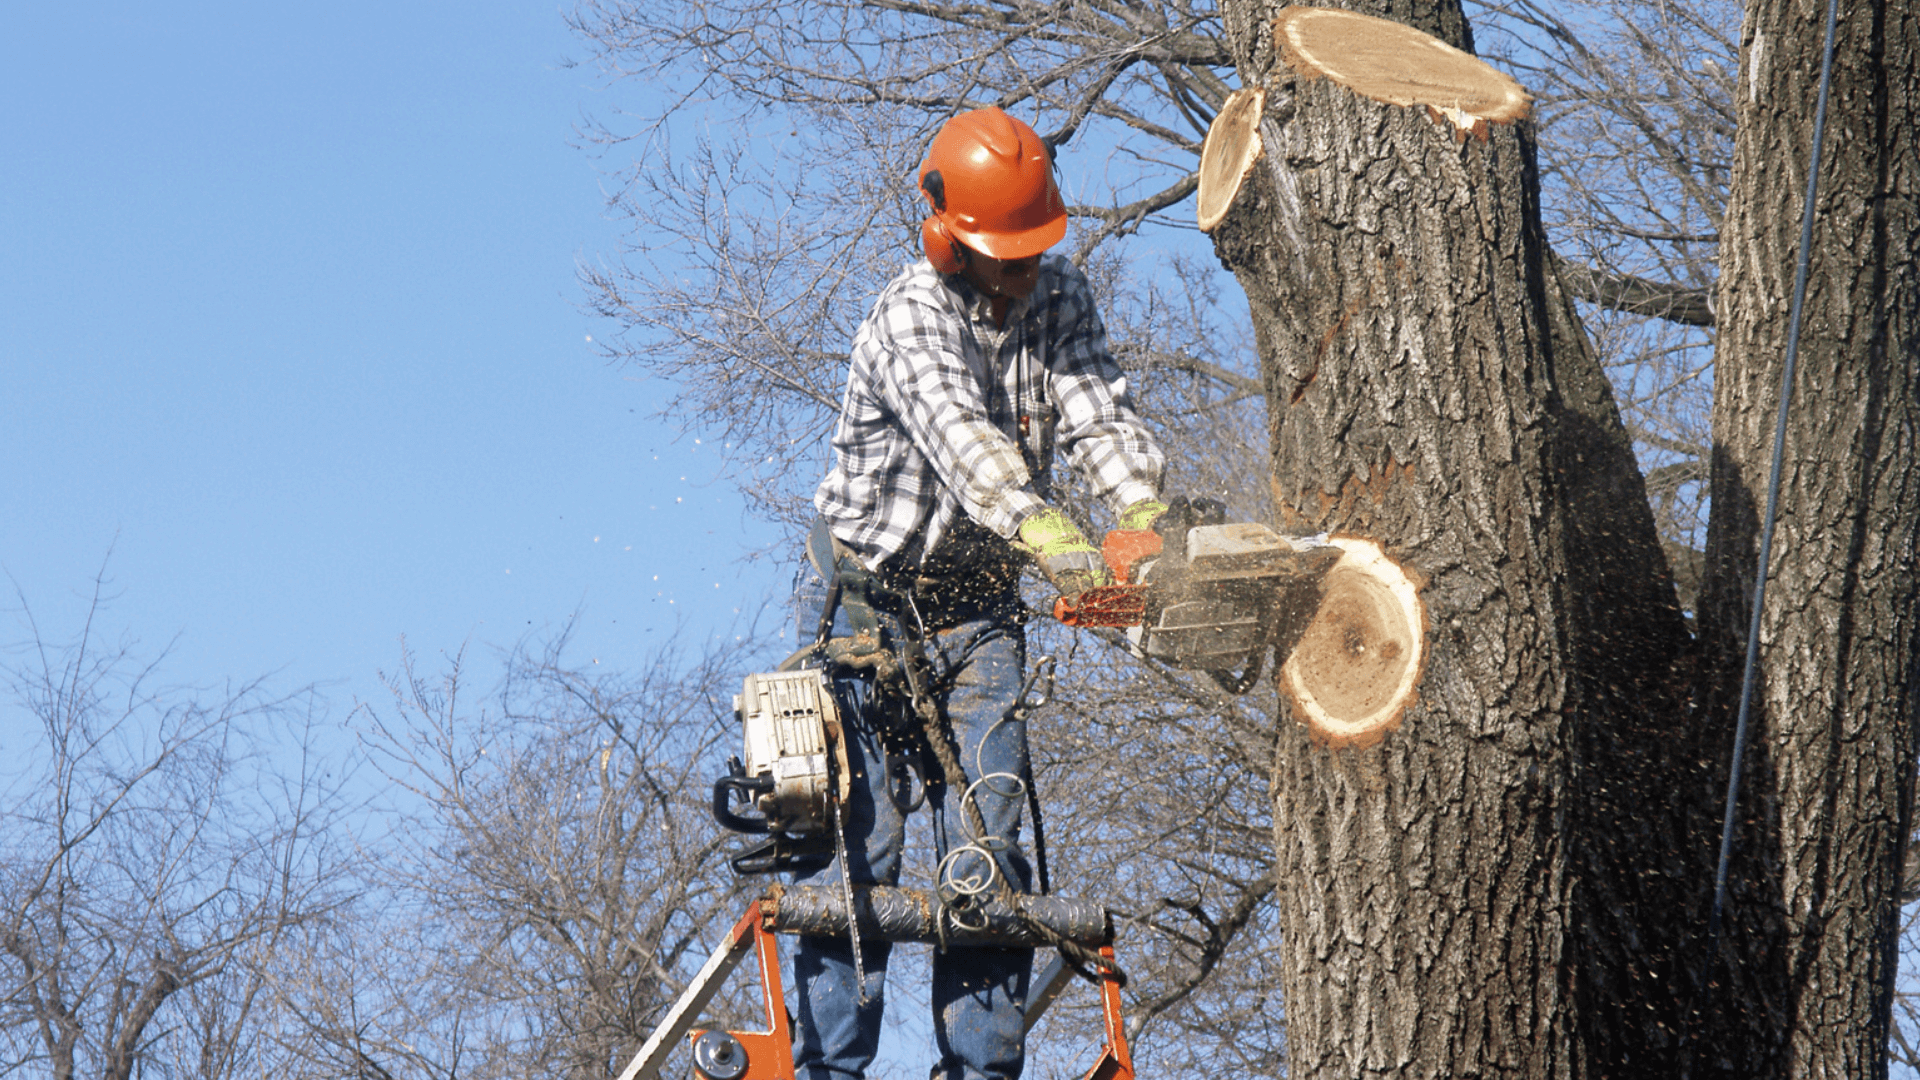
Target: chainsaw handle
[1124,548]
[746,787]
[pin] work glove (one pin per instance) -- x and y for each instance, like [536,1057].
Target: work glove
[1141,515]
[1061,551]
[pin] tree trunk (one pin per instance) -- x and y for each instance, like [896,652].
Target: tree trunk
[1516,881]
[1809,949]
[1430,389]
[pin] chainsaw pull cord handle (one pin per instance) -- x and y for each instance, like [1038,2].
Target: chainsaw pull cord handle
[904,768]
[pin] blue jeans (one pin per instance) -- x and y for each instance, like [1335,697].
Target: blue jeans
[979,995]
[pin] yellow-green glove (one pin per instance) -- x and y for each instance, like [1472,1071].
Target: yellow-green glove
[1141,515]
[1070,562]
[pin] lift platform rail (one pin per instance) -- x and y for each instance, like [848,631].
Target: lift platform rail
[890,913]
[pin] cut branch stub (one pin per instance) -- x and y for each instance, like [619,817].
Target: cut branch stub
[1231,148]
[1355,668]
[1391,62]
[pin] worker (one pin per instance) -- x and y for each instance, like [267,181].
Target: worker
[979,363]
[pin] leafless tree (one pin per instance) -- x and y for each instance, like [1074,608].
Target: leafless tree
[1639,109]
[1636,127]
[772,193]
[550,880]
[768,187]
[159,846]
[1564,690]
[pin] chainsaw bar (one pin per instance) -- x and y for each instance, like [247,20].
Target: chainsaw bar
[1108,605]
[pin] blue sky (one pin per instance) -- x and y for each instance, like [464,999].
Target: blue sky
[291,345]
[289,325]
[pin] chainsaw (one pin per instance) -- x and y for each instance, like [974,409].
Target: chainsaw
[794,774]
[1203,594]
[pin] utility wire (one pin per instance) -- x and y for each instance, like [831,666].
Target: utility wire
[1773,495]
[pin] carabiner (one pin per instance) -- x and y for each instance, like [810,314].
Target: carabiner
[1043,672]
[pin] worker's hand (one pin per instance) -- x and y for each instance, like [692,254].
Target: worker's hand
[1071,564]
[1141,515]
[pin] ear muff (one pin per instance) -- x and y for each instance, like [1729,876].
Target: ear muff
[943,251]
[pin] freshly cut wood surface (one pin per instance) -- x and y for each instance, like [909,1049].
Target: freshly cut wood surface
[1231,148]
[1355,669]
[1388,61]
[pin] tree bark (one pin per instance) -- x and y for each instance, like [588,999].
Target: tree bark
[128,1021]
[1517,881]
[1809,949]
[1430,389]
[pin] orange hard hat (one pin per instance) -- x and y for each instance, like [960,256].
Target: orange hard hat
[989,179]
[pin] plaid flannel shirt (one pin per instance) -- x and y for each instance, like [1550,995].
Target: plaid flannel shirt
[931,425]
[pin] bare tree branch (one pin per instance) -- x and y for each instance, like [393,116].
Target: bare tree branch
[1638,296]
[152,847]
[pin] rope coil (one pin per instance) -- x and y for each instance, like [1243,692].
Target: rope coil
[1088,963]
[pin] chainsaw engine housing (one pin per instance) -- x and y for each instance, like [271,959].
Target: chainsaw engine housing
[1228,592]
[786,775]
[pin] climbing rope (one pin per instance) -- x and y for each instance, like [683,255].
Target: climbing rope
[959,888]
[1773,494]
[1086,962]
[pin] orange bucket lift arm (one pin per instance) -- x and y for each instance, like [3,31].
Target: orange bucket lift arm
[747,934]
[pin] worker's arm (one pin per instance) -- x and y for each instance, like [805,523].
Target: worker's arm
[927,381]
[1101,435]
